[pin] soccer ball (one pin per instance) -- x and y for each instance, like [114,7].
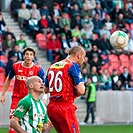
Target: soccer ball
[119,40]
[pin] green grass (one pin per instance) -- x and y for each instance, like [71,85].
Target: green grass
[97,129]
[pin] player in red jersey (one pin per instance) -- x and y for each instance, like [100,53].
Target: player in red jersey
[21,70]
[65,83]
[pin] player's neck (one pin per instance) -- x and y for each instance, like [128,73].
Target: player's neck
[35,96]
[71,59]
[27,64]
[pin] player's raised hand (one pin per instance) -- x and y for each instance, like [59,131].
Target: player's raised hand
[2,99]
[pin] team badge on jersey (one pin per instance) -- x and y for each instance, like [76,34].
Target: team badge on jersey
[31,72]
[20,108]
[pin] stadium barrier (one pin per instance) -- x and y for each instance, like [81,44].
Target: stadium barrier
[115,106]
[111,106]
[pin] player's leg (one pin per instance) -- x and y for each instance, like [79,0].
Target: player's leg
[63,118]
[14,103]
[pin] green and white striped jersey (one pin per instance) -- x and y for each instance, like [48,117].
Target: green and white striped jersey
[32,114]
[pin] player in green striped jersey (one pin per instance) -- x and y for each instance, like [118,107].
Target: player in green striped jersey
[30,115]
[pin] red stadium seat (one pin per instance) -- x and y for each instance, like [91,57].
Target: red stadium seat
[104,56]
[96,35]
[4,58]
[127,26]
[2,70]
[131,26]
[124,60]
[120,69]
[41,41]
[57,58]
[2,78]
[49,36]
[114,62]
[113,57]
[42,44]
[104,67]
[131,70]
[131,59]
[123,57]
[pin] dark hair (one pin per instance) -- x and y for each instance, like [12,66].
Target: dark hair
[29,49]
[21,34]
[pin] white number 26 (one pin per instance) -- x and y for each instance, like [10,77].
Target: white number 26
[55,77]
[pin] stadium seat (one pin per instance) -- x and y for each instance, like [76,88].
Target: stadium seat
[41,41]
[96,35]
[131,70]
[127,26]
[124,60]
[104,67]
[49,36]
[131,26]
[113,57]
[4,58]
[131,59]
[120,69]
[2,70]
[113,60]
[2,78]
[123,57]
[57,58]
[104,56]
[42,44]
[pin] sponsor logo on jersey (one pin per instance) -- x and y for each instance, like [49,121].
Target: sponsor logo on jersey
[58,65]
[19,70]
[18,77]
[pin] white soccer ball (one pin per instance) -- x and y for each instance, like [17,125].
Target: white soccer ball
[119,40]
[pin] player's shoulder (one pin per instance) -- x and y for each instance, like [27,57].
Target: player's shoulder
[17,63]
[26,99]
[36,65]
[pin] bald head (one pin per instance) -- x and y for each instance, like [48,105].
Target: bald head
[31,80]
[76,49]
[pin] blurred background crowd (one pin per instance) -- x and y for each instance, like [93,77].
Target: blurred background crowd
[58,25]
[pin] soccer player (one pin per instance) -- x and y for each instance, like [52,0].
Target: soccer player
[65,83]
[30,115]
[21,70]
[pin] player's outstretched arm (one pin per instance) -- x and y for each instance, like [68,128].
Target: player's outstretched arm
[80,89]
[15,125]
[5,87]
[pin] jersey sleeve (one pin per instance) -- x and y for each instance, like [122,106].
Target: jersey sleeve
[41,74]
[75,73]
[11,73]
[23,106]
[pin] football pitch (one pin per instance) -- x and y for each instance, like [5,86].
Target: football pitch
[97,129]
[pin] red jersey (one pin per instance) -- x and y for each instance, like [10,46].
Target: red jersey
[61,80]
[21,73]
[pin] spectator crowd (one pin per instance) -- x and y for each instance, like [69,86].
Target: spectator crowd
[68,23]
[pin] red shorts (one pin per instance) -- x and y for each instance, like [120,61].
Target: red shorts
[63,118]
[14,104]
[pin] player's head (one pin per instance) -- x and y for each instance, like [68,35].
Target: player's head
[78,53]
[28,55]
[35,84]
